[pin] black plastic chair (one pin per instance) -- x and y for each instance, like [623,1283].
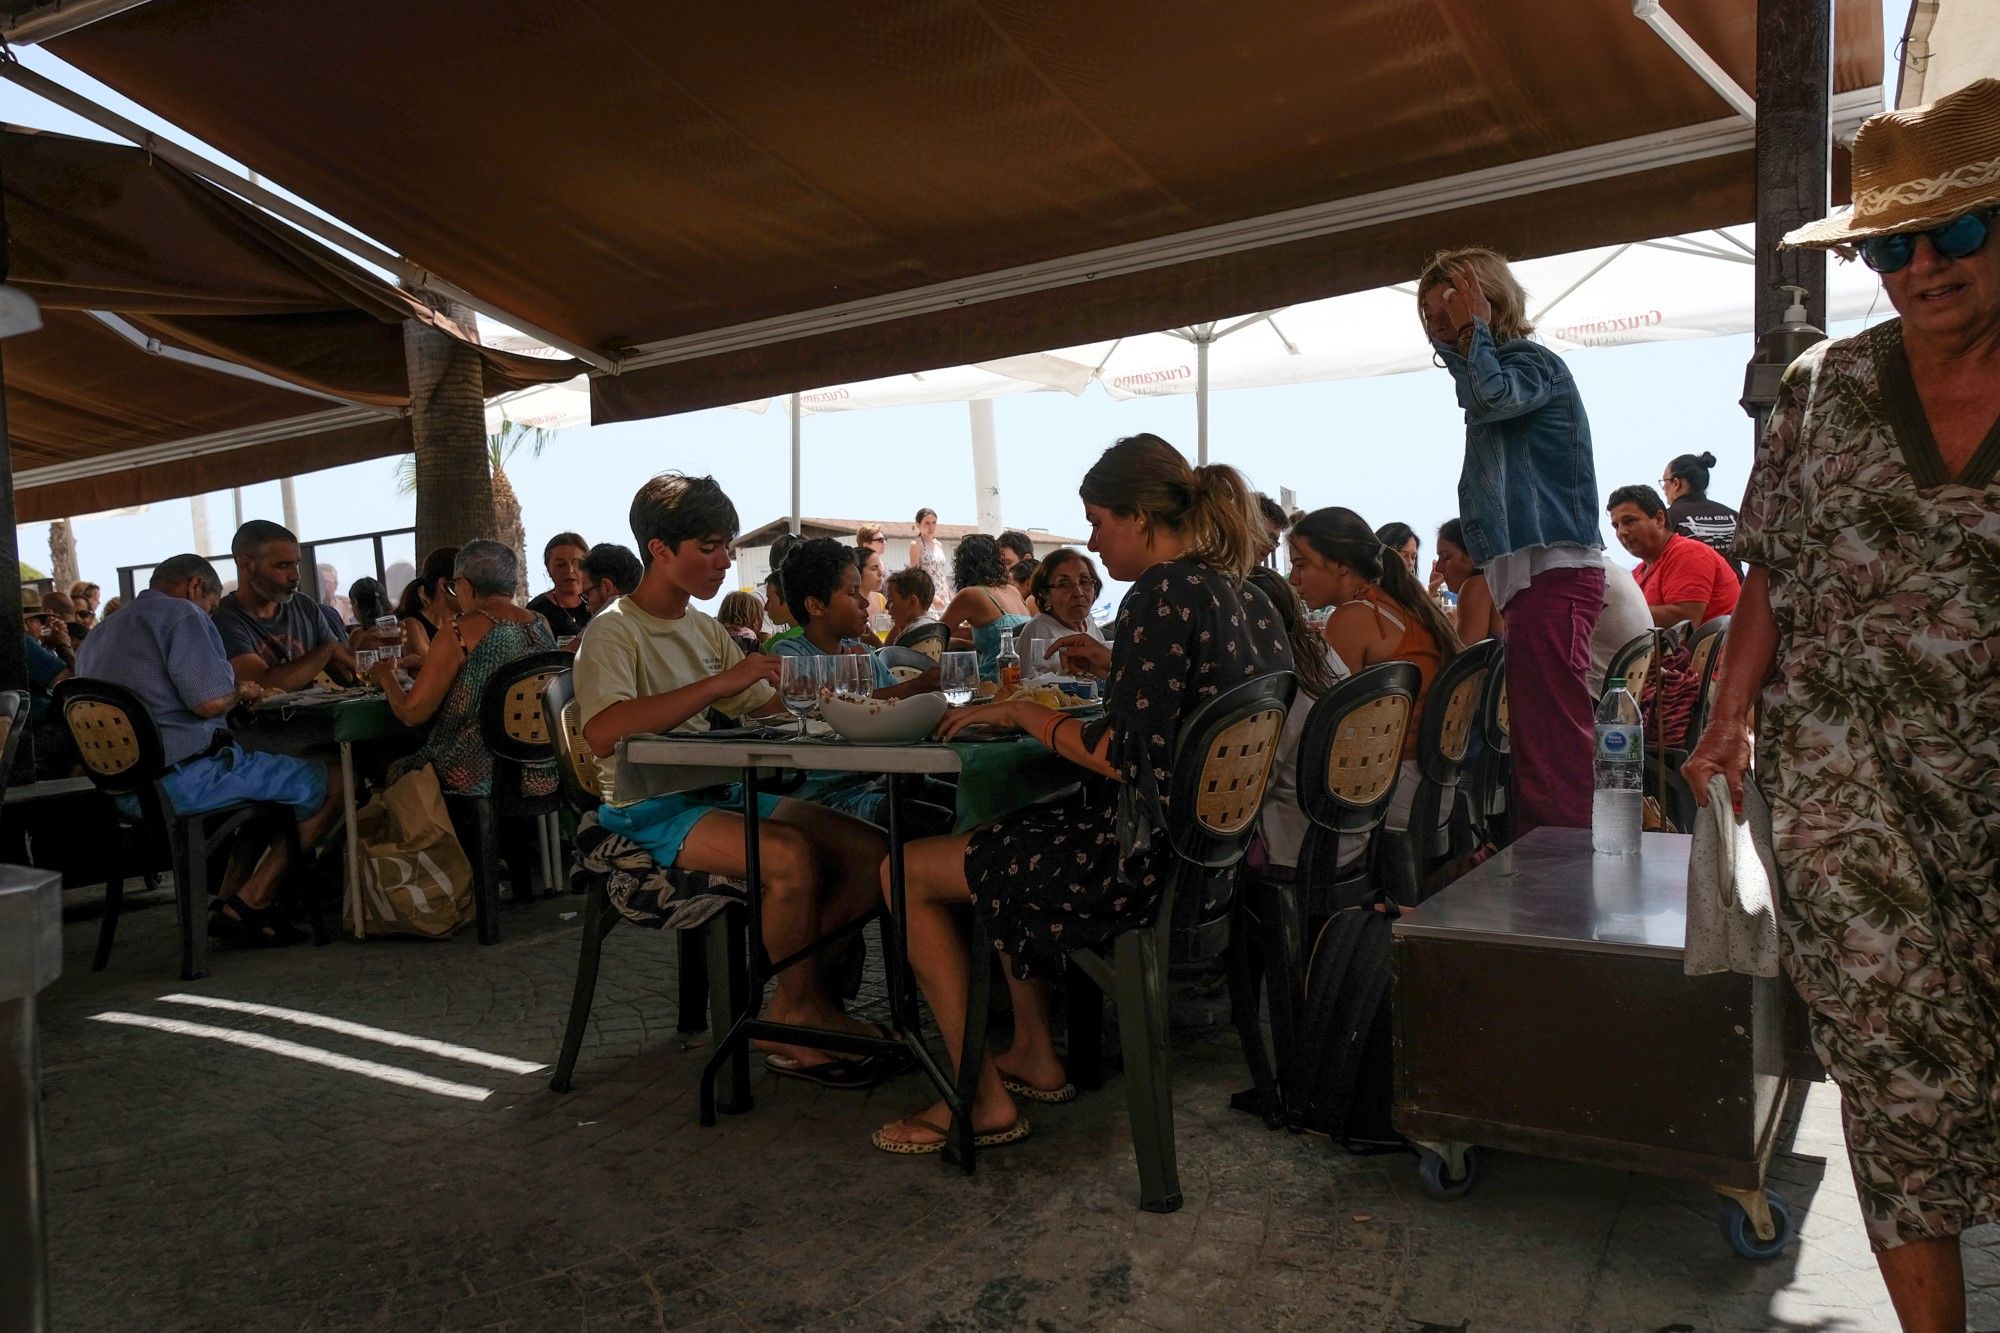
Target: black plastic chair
[1222,763]
[513,727]
[714,975]
[1486,796]
[1705,659]
[1633,664]
[1348,761]
[931,640]
[1437,830]
[123,755]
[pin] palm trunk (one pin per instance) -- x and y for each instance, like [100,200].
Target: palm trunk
[507,528]
[62,555]
[448,430]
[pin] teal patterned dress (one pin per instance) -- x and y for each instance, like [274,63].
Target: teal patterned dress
[453,744]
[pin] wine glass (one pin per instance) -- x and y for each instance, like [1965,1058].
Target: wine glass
[799,679]
[958,677]
[853,676]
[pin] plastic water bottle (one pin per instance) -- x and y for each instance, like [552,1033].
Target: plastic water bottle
[1620,768]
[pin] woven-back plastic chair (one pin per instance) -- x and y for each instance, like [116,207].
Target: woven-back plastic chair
[713,971]
[1222,764]
[124,757]
[930,640]
[1633,664]
[513,728]
[1348,761]
[1437,831]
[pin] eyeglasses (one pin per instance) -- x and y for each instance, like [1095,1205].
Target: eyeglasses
[1074,585]
[1954,240]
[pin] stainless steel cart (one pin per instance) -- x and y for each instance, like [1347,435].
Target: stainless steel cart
[1540,1007]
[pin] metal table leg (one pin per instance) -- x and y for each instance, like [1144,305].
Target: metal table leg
[353,888]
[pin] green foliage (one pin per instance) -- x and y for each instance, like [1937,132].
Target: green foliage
[29,574]
[501,446]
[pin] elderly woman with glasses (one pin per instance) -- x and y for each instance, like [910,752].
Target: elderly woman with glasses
[481,631]
[1866,629]
[1065,587]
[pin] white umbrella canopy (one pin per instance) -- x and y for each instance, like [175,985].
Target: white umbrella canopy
[1654,291]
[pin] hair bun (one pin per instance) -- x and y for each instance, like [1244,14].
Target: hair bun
[1708,460]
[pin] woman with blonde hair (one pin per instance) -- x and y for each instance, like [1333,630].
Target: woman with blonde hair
[742,614]
[1527,504]
[1054,878]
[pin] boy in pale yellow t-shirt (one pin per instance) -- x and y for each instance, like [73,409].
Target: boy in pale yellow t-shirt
[651,663]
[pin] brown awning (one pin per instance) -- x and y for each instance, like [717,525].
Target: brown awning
[96,421]
[905,184]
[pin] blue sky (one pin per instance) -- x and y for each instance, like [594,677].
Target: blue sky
[1388,448]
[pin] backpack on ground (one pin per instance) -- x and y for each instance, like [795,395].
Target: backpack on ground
[1344,1081]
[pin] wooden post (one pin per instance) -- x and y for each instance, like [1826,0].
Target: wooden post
[13,648]
[1794,147]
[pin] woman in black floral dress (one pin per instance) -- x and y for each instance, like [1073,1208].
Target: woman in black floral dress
[1051,879]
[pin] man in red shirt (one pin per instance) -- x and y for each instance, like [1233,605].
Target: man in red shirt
[1682,579]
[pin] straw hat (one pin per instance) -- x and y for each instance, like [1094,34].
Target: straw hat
[1918,169]
[31,601]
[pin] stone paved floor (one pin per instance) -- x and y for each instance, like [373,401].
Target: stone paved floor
[202,1185]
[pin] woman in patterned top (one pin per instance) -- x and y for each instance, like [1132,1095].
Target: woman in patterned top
[1055,878]
[487,632]
[1867,624]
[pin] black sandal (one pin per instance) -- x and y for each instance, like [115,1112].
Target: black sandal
[264,927]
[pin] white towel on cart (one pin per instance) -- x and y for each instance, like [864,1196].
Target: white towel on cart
[1732,918]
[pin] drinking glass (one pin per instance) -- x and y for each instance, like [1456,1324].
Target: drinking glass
[958,677]
[364,662]
[853,676]
[390,625]
[799,680]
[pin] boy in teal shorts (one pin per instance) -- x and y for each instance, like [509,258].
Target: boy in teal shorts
[651,663]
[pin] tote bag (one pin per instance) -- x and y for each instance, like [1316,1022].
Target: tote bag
[415,877]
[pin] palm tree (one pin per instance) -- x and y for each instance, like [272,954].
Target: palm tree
[501,447]
[62,554]
[453,480]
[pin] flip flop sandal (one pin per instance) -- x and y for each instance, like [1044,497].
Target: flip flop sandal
[840,1075]
[998,1138]
[1046,1096]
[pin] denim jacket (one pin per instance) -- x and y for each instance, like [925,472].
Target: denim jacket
[1529,479]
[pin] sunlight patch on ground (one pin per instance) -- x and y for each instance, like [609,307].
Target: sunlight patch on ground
[406,1078]
[401,1040]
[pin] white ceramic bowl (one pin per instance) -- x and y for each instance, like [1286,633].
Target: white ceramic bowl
[884,721]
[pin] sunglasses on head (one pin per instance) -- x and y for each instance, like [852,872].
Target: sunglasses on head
[1954,240]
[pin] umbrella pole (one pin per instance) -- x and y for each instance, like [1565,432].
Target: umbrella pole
[1201,344]
[985,466]
[13,645]
[796,410]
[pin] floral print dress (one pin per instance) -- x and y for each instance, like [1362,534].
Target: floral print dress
[454,743]
[1879,753]
[1052,879]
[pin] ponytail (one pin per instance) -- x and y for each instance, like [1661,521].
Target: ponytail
[1343,536]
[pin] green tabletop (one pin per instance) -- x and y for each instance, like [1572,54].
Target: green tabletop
[321,720]
[1000,777]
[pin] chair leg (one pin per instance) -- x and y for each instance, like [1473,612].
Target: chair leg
[598,919]
[1142,1033]
[693,1006]
[728,942]
[486,873]
[114,899]
[1084,1012]
[1247,969]
[190,856]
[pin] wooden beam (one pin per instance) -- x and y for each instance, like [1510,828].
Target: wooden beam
[1794,149]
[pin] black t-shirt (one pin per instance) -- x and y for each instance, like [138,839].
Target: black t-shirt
[565,621]
[1709,522]
[296,629]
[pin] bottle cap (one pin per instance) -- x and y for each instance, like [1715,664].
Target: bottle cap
[1615,683]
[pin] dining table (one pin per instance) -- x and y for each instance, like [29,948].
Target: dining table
[326,723]
[995,773]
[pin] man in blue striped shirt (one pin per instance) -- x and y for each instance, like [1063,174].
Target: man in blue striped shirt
[164,647]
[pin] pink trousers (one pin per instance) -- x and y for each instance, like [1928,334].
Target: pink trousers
[1551,728]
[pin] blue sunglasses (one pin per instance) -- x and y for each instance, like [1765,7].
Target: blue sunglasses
[1954,240]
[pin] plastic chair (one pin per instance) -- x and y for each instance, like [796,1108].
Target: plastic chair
[1633,664]
[1437,831]
[512,727]
[1222,763]
[1705,657]
[930,640]
[13,725]
[714,977]
[898,658]
[123,755]
[1486,789]
[1349,759]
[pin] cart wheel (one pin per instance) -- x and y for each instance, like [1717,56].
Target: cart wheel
[1743,1237]
[1439,1183]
